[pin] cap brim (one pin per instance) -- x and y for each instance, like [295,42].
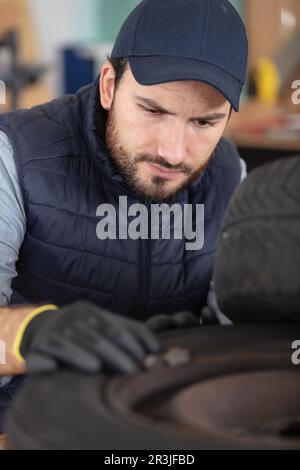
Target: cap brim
[153,70]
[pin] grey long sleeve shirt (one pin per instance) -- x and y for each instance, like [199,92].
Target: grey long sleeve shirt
[12,218]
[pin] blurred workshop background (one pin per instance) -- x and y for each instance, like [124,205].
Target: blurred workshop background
[51,47]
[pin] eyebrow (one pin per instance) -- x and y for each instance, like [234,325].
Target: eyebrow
[157,107]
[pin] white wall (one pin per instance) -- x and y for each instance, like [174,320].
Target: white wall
[59,23]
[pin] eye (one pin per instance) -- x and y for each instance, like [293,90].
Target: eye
[151,111]
[204,124]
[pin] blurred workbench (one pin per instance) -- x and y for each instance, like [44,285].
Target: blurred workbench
[263,133]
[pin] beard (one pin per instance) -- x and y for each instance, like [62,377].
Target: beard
[153,188]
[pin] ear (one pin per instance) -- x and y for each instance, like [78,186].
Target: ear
[107,85]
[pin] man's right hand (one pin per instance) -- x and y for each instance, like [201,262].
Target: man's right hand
[85,337]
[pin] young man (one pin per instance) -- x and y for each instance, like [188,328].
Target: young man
[147,132]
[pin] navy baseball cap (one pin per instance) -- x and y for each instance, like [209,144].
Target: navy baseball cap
[172,40]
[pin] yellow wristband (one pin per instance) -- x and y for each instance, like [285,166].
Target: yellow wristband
[24,324]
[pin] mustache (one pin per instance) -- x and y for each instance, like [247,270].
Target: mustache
[163,163]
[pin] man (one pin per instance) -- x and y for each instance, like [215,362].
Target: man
[150,130]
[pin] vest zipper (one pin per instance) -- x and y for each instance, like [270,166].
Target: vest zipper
[144,272]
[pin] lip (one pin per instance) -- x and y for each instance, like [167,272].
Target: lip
[157,170]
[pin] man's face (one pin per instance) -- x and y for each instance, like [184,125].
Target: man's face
[162,137]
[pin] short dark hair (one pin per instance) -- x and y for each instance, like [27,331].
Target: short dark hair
[120,66]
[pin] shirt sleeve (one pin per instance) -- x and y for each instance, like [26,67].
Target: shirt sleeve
[12,218]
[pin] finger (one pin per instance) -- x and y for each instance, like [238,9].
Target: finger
[38,363]
[71,354]
[208,316]
[185,319]
[147,338]
[111,354]
[159,323]
[136,329]
[129,342]
[120,335]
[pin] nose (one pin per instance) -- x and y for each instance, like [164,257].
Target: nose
[173,144]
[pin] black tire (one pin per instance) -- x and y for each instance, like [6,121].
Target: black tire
[74,411]
[257,265]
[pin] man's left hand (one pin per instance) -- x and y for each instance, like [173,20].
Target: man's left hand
[170,322]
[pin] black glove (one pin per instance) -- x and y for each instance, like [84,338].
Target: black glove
[208,316]
[168,322]
[85,337]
